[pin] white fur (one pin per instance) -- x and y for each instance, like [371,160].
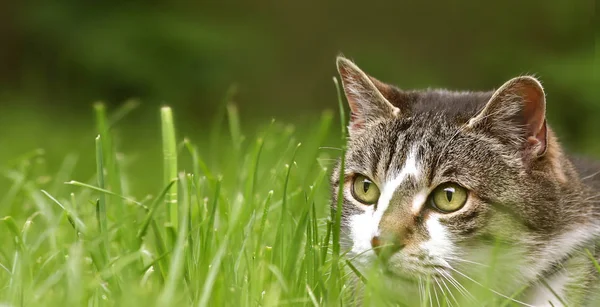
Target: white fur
[362,229]
[439,245]
[418,202]
[542,296]
[566,243]
[365,226]
[557,248]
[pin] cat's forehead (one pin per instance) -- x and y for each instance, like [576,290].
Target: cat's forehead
[429,130]
[382,148]
[446,104]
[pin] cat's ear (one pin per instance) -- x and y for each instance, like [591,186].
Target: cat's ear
[517,112]
[365,95]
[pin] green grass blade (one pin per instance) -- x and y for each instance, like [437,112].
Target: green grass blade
[358,274]
[215,267]
[11,224]
[101,207]
[198,163]
[176,268]
[161,248]
[169,146]
[556,295]
[102,190]
[118,264]
[234,126]
[211,217]
[337,213]
[66,169]
[74,269]
[111,167]
[263,221]
[77,223]
[144,227]
[294,249]
[126,108]
[251,183]
[594,261]
[217,123]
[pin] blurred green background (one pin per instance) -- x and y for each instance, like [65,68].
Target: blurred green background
[58,57]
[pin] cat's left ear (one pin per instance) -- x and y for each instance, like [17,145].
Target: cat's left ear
[517,113]
[364,94]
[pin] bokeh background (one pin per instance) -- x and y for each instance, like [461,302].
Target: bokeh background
[59,57]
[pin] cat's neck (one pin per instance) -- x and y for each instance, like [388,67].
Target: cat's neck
[568,283]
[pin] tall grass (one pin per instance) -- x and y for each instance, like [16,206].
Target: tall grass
[246,222]
[249,229]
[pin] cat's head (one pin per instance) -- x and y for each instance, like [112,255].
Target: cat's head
[434,178]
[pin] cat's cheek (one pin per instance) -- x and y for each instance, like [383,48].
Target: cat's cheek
[362,227]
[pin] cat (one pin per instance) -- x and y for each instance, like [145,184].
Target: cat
[436,180]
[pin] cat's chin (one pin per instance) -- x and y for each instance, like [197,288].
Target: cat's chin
[413,272]
[401,267]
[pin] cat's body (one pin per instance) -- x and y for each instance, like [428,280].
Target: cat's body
[435,180]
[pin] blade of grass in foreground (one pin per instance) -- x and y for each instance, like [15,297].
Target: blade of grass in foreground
[169,144]
[70,214]
[176,268]
[594,261]
[142,230]
[101,209]
[263,221]
[282,229]
[337,213]
[101,190]
[556,295]
[109,158]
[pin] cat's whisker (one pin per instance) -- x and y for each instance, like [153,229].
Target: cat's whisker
[467,261]
[492,290]
[426,289]
[437,299]
[459,287]
[420,292]
[444,296]
[590,176]
[430,298]
[449,291]
[324,161]
[331,148]
[360,254]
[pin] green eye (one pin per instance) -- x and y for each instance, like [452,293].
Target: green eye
[364,190]
[449,197]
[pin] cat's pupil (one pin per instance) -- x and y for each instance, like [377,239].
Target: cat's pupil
[366,185]
[449,193]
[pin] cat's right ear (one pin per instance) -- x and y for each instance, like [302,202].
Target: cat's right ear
[366,101]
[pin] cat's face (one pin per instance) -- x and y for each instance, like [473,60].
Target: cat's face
[424,188]
[433,180]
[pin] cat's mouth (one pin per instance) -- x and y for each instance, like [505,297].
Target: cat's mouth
[413,269]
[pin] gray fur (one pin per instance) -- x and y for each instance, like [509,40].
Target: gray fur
[529,202]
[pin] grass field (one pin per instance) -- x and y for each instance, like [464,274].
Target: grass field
[240,220]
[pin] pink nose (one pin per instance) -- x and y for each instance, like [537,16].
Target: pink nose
[385,248]
[376,244]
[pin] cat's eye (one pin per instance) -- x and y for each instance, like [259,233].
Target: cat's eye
[448,197]
[364,190]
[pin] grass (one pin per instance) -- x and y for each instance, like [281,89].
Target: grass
[245,222]
[248,229]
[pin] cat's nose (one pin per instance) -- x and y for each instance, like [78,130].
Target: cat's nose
[385,247]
